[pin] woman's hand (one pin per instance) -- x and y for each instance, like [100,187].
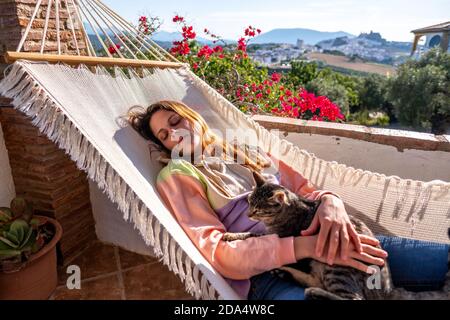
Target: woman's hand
[304,247]
[336,231]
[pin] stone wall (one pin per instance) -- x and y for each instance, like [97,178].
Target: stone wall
[15,17]
[42,173]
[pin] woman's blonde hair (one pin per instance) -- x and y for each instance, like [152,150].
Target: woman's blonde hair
[139,119]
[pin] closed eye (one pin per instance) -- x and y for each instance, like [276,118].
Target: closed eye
[175,120]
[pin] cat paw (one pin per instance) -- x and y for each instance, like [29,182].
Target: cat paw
[320,294]
[281,274]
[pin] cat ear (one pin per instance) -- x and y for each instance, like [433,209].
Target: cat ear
[280,196]
[260,180]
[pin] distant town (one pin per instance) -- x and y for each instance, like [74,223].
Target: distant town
[368,47]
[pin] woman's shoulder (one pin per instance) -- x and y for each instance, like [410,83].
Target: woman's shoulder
[176,167]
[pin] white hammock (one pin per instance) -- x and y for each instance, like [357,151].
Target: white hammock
[78,110]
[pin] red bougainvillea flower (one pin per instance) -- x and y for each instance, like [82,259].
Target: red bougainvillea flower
[276,77]
[242,45]
[178,19]
[180,47]
[205,52]
[188,32]
[251,31]
[218,49]
[143,19]
[113,49]
[319,108]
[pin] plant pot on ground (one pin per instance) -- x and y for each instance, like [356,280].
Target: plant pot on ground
[28,267]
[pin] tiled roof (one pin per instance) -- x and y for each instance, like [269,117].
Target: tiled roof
[445,26]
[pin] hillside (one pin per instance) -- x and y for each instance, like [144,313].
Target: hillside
[309,36]
[345,63]
[371,46]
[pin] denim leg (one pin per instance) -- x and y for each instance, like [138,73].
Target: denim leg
[267,286]
[416,265]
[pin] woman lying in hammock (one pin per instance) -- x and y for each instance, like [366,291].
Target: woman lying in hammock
[207,194]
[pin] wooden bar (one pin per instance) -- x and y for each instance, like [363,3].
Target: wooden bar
[12,56]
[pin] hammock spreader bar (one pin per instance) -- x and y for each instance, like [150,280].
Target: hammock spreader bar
[12,56]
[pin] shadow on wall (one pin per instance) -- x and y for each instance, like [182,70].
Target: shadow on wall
[7,189]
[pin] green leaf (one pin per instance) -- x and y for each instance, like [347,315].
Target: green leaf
[4,246]
[20,233]
[19,228]
[12,236]
[9,242]
[29,240]
[6,254]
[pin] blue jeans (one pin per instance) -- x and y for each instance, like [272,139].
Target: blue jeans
[415,265]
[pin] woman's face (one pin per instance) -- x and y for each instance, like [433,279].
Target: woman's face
[173,130]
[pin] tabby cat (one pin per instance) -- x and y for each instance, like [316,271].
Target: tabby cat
[286,214]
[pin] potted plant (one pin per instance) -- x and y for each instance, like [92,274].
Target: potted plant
[28,267]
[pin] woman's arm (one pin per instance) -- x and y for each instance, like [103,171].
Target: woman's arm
[295,182]
[185,196]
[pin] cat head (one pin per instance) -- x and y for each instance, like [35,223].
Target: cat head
[269,202]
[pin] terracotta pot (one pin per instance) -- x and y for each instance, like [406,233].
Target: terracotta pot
[38,278]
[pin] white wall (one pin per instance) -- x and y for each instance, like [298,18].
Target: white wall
[409,164]
[7,190]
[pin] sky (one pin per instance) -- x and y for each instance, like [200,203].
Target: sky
[394,19]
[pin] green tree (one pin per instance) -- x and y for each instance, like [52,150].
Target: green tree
[331,88]
[420,92]
[372,92]
[302,72]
